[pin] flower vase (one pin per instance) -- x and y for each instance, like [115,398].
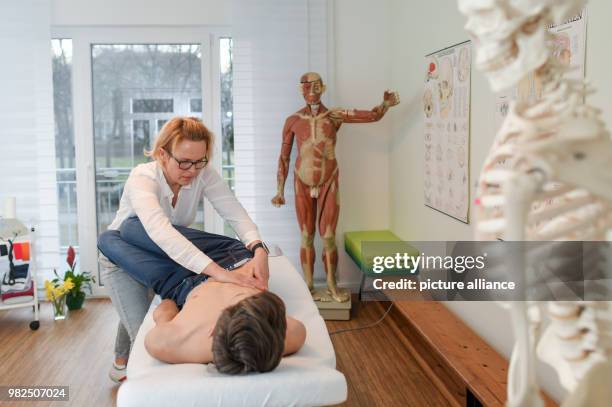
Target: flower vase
[75,301]
[60,311]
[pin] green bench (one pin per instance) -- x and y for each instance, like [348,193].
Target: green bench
[383,243]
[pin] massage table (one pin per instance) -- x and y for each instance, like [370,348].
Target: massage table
[306,378]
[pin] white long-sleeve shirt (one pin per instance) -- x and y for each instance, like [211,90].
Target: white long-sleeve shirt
[147,195]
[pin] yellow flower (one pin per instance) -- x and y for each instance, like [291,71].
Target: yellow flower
[68,284]
[49,290]
[58,292]
[55,291]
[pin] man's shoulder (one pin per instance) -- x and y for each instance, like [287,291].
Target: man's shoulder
[177,342]
[194,343]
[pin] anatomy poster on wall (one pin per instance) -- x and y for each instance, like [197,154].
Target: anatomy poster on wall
[568,47]
[446,109]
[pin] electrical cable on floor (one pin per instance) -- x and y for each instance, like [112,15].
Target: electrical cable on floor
[365,326]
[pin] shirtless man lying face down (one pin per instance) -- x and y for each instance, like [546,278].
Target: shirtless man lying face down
[239,329]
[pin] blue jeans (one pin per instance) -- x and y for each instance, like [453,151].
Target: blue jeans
[132,249]
[131,263]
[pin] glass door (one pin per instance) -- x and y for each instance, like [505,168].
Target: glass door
[127,82]
[136,89]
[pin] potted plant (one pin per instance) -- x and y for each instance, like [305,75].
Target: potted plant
[75,296]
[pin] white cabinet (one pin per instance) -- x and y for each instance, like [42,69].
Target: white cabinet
[4,267]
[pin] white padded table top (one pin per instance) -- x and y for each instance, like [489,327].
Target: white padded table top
[306,378]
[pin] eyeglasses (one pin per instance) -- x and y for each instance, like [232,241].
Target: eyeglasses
[187,164]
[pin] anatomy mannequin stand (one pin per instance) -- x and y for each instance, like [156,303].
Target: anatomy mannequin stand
[315,129]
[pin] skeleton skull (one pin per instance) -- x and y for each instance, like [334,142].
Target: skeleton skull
[510,35]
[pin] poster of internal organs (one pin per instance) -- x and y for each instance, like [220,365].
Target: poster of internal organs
[446,109]
[568,46]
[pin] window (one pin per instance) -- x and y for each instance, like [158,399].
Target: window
[64,143]
[160,124]
[133,85]
[154,105]
[227,120]
[195,105]
[141,137]
[124,89]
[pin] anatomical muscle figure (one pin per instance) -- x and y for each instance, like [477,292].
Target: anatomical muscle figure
[316,173]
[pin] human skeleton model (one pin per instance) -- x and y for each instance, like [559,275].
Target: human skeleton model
[316,173]
[548,177]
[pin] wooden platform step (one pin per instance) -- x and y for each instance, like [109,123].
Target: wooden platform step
[458,361]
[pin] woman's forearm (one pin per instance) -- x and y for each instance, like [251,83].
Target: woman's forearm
[231,210]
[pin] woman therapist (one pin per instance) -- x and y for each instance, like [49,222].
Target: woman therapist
[149,245]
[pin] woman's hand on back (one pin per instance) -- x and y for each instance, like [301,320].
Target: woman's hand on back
[259,265]
[248,271]
[242,276]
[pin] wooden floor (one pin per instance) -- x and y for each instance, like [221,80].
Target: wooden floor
[378,369]
[77,352]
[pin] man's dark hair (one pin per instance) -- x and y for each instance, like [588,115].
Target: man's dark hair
[250,336]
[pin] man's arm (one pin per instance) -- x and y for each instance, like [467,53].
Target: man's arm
[283,161]
[165,340]
[165,311]
[296,336]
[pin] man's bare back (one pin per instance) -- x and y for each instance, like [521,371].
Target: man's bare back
[186,336]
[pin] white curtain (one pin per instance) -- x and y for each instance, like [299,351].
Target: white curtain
[275,42]
[27,161]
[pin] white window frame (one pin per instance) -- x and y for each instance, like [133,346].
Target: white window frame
[82,101]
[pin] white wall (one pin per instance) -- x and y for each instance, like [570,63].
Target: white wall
[424,27]
[363,72]
[140,12]
[599,58]
[26,135]
[274,44]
